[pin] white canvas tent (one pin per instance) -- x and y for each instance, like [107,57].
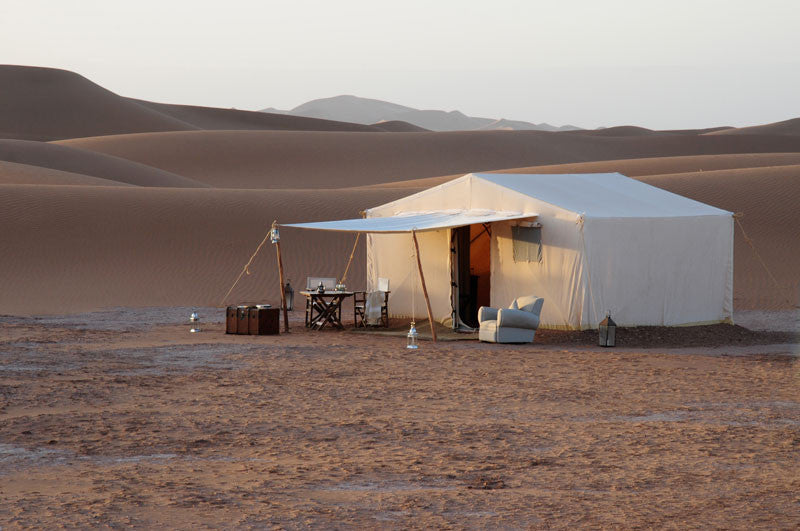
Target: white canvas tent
[586,243]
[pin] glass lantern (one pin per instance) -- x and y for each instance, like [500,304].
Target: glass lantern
[288,293]
[607,331]
[274,235]
[412,337]
[194,322]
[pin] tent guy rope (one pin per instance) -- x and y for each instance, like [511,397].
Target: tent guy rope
[737,216]
[245,269]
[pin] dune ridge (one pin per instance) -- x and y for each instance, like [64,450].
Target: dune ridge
[93,164]
[281,159]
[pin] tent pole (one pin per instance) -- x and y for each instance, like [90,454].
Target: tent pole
[283,295]
[424,289]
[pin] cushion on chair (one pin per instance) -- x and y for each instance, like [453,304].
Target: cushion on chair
[529,303]
[517,319]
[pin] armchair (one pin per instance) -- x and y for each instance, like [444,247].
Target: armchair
[515,324]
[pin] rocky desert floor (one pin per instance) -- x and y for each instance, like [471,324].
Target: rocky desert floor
[123,418]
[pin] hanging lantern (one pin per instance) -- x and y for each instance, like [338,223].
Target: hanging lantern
[608,331]
[288,293]
[412,337]
[274,235]
[194,322]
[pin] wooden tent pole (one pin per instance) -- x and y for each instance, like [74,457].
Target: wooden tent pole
[424,289]
[280,279]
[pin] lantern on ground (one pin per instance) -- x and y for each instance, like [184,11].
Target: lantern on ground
[412,337]
[288,293]
[194,322]
[608,331]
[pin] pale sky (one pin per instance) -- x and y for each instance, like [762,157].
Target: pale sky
[653,63]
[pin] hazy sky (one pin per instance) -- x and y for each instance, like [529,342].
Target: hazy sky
[659,64]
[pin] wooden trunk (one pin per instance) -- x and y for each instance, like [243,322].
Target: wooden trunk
[264,321]
[230,320]
[243,319]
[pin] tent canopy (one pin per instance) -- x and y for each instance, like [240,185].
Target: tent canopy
[414,221]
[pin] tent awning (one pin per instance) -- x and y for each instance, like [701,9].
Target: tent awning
[414,221]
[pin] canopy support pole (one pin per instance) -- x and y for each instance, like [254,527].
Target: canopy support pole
[280,279]
[424,289]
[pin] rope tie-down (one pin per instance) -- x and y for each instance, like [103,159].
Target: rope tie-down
[737,216]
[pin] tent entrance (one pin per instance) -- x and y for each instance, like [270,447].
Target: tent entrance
[470,272]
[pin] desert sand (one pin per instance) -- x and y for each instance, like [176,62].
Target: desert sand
[121,417]
[124,418]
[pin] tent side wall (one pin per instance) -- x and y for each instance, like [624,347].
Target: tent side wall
[392,256]
[660,271]
[559,278]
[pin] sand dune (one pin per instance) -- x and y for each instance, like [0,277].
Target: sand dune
[309,159]
[14,173]
[91,163]
[48,104]
[73,248]
[786,127]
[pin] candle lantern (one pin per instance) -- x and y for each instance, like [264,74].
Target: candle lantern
[607,331]
[288,293]
[412,337]
[194,322]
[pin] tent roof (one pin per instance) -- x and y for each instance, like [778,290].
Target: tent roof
[601,195]
[417,221]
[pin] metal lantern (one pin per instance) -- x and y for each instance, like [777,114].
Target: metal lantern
[412,337]
[274,235]
[288,293]
[608,331]
[321,287]
[194,322]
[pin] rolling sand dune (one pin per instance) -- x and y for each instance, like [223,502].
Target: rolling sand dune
[91,163]
[13,173]
[73,248]
[786,127]
[632,167]
[309,159]
[49,104]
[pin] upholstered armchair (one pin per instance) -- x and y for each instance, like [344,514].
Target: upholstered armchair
[515,324]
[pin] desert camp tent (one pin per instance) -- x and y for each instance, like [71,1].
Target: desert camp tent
[586,243]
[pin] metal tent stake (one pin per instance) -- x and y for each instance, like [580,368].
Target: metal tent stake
[424,289]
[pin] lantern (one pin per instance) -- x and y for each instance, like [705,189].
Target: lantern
[321,287]
[608,331]
[412,337]
[194,322]
[288,293]
[274,235]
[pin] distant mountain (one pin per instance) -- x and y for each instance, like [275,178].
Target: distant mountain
[369,111]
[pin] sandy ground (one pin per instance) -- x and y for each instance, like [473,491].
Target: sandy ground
[123,418]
